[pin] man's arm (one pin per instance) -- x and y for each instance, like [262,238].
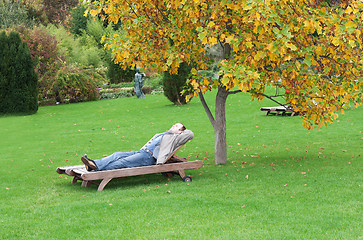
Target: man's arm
[147,144]
[170,142]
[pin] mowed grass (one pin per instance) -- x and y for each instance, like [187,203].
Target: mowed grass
[280,182]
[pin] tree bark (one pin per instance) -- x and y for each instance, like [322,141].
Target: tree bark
[219,124]
[220,144]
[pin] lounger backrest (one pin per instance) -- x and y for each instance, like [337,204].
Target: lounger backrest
[177,149]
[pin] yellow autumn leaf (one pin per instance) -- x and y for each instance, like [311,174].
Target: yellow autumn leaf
[204,89]
[291,46]
[206,82]
[211,24]
[229,38]
[249,44]
[259,55]
[352,43]
[93,12]
[213,41]
[335,41]
[349,10]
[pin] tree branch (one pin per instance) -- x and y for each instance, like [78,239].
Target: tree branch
[262,94]
[132,8]
[206,108]
[234,92]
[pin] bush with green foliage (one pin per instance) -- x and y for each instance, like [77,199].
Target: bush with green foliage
[78,20]
[57,11]
[174,84]
[69,84]
[13,14]
[43,48]
[81,50]
[117,74]
[18,80]
[90,32]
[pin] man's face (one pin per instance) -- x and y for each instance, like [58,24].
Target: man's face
[176,128]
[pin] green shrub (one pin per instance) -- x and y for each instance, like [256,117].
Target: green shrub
[43,48]
[117,74]
[81,50]
[18,81]
[174,84]
[13,14]
[118,85]
[70,84]
[120,94]
[57,11]
[78,20]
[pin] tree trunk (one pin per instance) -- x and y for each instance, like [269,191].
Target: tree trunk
[220,141]
[219,124]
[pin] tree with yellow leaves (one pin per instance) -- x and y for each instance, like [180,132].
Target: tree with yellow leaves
[311,50]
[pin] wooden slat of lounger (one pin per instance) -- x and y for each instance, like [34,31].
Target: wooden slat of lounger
[62,170]
[126,172]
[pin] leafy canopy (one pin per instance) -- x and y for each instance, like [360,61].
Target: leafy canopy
[311,50]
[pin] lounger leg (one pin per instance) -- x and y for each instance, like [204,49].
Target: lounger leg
[104,183]
[181,173]
[86,184]
[75,179]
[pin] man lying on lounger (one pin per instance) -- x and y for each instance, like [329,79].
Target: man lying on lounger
[156,151]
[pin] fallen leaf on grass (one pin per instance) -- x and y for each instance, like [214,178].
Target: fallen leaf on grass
[244,205]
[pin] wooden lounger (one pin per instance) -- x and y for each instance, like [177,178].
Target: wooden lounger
[277,110]
[174,164]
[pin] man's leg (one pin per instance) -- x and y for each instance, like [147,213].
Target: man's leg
[102,163]
[139,158]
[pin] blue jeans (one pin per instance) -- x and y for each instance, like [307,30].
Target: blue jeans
[125,160]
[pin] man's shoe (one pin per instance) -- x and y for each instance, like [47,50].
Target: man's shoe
[90,164]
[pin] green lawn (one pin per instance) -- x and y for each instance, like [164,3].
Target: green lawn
[281,182]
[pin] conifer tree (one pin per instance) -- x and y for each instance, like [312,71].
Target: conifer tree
[18,81]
